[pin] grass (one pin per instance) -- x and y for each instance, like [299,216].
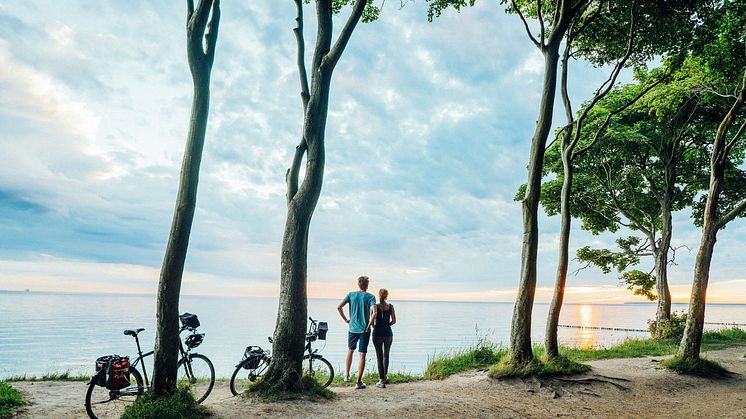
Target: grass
[50,376]
[700,367]
[10,399]
[480,356]
[540,367]
[311,390]
[372,377]
[181,405]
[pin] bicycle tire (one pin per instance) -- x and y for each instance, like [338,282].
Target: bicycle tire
[239,385]
[320,369]
[202,384]
[103,409]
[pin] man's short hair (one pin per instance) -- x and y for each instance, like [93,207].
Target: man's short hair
[362,282]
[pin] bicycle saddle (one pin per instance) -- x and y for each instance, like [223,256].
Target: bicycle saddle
[133,333]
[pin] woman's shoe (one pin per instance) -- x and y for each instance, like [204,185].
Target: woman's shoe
[381,384]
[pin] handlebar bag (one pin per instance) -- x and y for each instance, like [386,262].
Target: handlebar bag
[323,328]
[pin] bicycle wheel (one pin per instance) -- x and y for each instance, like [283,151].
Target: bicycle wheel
[102,403]
[319,369]
[242,377]
[197,373]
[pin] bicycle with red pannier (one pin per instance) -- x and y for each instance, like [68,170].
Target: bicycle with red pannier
[112,388]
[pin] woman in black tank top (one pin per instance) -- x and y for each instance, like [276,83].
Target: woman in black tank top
[381,320]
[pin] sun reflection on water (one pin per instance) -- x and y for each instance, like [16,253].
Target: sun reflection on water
[587,337]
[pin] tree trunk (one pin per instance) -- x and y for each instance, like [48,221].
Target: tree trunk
[520,332]
[550,341]
[169,286]
[663,312]
[290,329]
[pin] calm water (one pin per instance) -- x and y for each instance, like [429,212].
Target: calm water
[42,332]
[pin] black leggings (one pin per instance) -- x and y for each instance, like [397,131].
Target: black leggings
[383,347]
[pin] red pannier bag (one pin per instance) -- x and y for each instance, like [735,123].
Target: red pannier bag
[117,370]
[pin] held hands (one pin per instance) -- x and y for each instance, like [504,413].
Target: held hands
[367,329]
[347,321]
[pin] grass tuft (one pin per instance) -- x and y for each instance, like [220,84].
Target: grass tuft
[372,377]
[480,356]
[310,390]
[10,400]
[181,405]
[557,366]
[50,376]
[700,367]
[630,348]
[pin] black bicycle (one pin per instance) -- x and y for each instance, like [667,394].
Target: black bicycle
[256,361]
[194,370]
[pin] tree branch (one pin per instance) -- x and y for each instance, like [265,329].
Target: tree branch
[211,36]
[735,138]
[333,56]
[525,25]
[541,20]
[733,213]
[301,60]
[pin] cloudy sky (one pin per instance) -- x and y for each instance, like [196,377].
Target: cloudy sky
[427,141]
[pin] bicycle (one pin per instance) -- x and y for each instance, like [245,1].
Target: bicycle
[256,362]
[194,370]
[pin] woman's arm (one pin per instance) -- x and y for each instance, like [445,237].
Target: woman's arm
[372,319]
[393,316]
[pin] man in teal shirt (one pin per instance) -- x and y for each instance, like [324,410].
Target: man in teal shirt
[360,304]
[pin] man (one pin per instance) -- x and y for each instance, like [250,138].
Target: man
[360,303]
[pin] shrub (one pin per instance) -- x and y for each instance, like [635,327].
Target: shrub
[557,366]
[180,405]
[10,399]
[480,356]
[700,367]
[671,329]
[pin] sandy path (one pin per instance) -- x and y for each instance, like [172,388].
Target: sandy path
[650,392]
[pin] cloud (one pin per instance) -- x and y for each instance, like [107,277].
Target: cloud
[427,141]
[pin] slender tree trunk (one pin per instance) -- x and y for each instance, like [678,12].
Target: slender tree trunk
[690,345]
[169,286]
[290,329]
[663,312]
[550,341]
[285,372]
[520,332]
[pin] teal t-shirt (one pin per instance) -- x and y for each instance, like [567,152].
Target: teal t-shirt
[360,304]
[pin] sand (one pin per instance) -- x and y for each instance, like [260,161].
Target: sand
[619,388]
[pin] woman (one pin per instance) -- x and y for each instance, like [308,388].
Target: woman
[381,320]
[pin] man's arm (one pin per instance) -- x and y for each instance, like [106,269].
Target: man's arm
[341,312]
[372,320]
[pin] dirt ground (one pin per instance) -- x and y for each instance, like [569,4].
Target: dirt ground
[619,388]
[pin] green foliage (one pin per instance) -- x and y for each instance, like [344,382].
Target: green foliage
[310,389]
[180,405]
[480,356]
[630,348]
[640,283]
[50,376]
[724,338]
[10,399]
[700,367]
[557,366]
[436,7]
[671,329]
[370,14]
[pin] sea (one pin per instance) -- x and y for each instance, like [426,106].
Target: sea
[54,332]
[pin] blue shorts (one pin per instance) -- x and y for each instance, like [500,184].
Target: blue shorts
[359,339]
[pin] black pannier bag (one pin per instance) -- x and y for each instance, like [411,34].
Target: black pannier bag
[117,372]
[254,355]
[323,328]
[189,320]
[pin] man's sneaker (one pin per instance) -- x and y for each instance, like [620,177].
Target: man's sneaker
[386,380]
[360,385]
[346,379]
[381,384]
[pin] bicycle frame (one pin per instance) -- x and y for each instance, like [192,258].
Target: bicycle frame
[141,357]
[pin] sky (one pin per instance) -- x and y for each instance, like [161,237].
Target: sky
[427,141]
